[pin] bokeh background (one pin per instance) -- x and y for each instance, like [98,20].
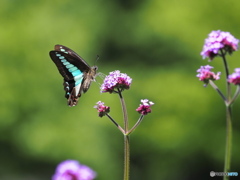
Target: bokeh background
[158,44]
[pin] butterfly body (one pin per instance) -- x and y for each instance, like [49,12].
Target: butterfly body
[76,73]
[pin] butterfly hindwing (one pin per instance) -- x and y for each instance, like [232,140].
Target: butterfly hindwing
[77,74]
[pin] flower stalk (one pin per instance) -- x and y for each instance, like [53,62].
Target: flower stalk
[136,125]
[124,110]
[116,83]
[221,43]
[228,146]
[126,174]
[227,74]
[126,138]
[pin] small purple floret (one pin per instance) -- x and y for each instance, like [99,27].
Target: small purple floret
[144,108]
[73,170]
[219,40]
[116,81]
[102,109]
[235,77]
[205,74]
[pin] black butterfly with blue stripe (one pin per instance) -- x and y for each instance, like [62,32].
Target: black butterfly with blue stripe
[76,73]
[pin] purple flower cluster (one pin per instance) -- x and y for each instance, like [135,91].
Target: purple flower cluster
[218,40]
[235,77]
[103,110]
[116,80]
[73,170]
[144,108]
[205,74]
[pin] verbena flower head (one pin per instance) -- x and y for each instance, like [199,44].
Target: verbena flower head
[73,170]
[205,74]
[103,110]
[116,81]
[235,77]
[218,40]
[144,108]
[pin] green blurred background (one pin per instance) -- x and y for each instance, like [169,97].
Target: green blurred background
[158,44]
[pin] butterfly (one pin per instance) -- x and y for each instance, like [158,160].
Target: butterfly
[76,73]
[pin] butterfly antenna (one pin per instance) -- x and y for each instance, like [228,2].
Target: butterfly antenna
[97,59]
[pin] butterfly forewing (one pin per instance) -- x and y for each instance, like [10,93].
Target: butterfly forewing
[77,74]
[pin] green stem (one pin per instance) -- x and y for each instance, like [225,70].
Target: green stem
[235,95]
[114,122]
[124,109]
[227,73]
[136,125]
[126,139]
[218,90]
[126,157]
[228,142]
[228,147]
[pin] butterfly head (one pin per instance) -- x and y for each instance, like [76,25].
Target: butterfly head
[94,72]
